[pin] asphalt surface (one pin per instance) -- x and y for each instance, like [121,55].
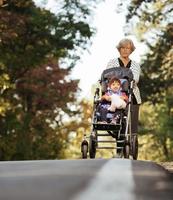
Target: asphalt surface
[98,179]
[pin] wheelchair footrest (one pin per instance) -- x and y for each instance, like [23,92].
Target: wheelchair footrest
[106,147]
[104,134]
[120,141]
[110,127]
[108,141]
[109,147]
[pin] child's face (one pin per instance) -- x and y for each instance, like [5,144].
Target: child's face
[115,86]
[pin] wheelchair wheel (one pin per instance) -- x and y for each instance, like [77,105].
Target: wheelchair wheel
[84,151]
[134,146]
[92,147]
[126,151]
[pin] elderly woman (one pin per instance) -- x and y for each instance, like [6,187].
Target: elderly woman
[125,48]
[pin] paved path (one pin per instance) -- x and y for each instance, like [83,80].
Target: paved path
[99,179]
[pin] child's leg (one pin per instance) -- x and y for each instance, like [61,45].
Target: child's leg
[103,113]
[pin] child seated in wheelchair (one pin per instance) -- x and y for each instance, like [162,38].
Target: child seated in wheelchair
[113,99]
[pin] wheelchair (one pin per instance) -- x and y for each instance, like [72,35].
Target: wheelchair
[124,142]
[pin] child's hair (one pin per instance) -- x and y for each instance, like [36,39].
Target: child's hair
[112,80]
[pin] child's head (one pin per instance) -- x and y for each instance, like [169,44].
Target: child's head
[114,84]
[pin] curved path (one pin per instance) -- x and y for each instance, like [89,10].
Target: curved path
[99,179]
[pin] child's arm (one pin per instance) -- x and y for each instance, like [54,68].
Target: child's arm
[106,97]
[124,97]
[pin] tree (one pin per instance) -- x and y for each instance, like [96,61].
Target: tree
[39,92]
[152,23]
[156,68]
[75,129]
[30,34]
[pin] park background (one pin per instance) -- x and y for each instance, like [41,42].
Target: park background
[52,52]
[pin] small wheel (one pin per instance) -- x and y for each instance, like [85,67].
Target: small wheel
[126,151]
[134,144]
[92,147]
[84,151]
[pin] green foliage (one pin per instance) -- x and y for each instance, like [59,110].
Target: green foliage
[4,85]
[151,22]
[73,27]
[39,84]
[37,94]
[30,34]
[78,127]
[157,139]
[157,68]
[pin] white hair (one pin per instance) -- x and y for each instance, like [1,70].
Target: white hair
[123,43]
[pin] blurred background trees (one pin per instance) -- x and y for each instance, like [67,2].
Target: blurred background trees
[152,24]
[37,92]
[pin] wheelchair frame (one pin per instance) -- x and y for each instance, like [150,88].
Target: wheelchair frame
[121,135]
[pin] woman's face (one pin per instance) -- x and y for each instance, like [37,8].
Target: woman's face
[125,50]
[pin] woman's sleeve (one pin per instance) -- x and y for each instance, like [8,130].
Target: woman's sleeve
[136,70]
[112,63]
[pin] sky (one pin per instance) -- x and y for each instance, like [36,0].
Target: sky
[109,25]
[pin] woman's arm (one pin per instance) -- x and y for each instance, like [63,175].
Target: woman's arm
[112,63]
[136,70]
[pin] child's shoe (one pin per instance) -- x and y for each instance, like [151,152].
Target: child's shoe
[114,121]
